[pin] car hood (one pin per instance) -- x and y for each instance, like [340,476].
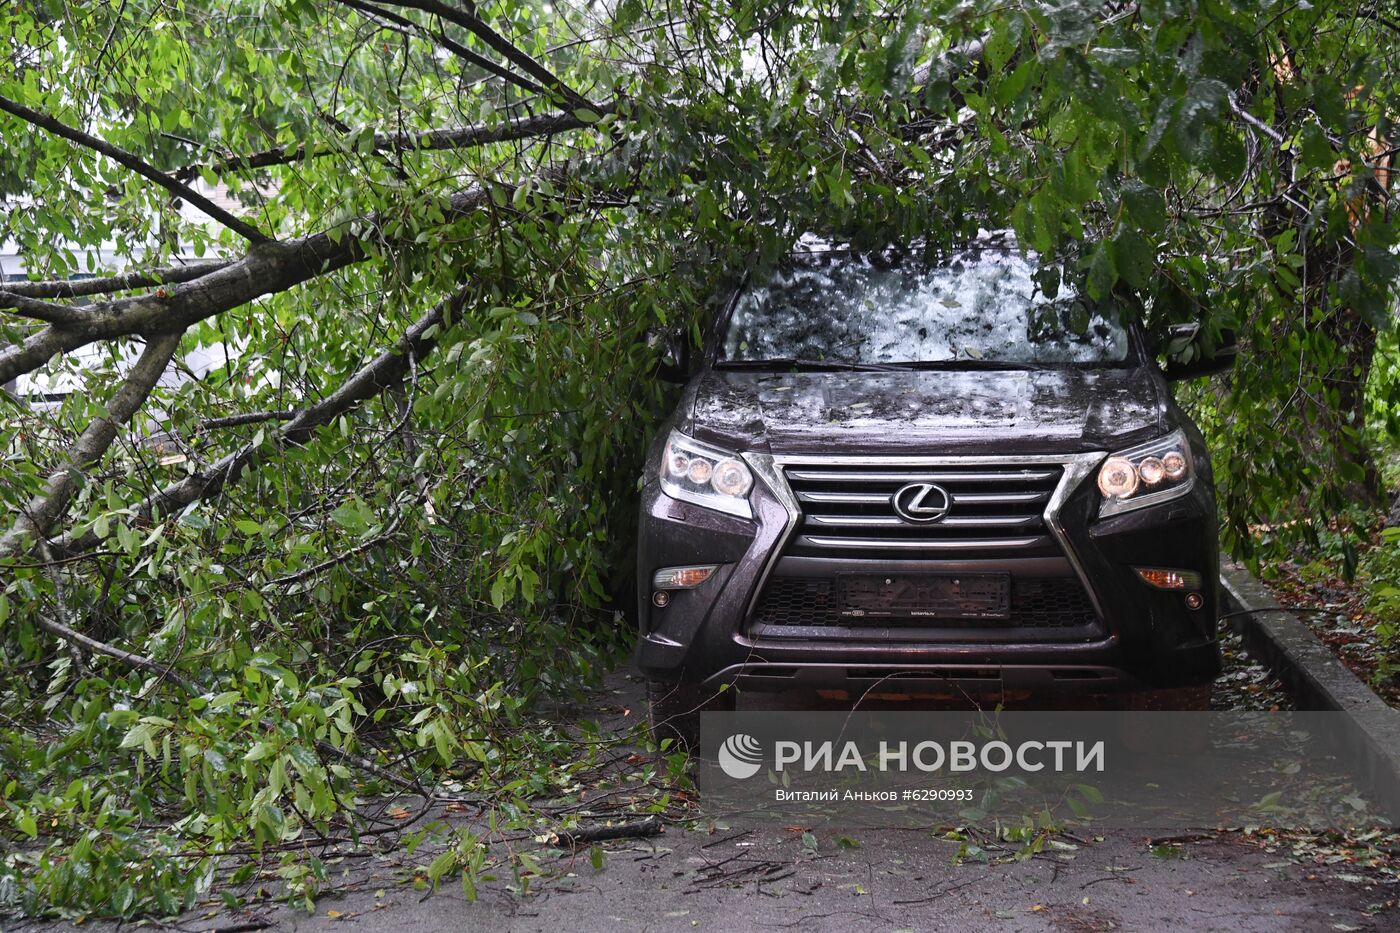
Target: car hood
[1056,411]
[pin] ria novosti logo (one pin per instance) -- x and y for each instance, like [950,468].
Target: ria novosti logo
[741,756]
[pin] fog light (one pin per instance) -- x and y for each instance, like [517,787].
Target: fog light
[1194,600]
[682,578]
[660,598]
[1165,578]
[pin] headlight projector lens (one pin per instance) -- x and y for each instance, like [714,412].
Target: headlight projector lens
[1152,471]
[1118,479]
[1174,463]
[731,478]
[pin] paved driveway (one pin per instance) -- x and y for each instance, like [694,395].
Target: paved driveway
[817,877]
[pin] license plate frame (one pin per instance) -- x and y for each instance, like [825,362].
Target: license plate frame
[912,597]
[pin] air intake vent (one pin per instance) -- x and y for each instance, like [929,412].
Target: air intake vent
[1036,602]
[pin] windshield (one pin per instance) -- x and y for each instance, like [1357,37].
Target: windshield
[976,306]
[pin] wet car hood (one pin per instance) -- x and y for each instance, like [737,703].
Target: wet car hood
[1057,411]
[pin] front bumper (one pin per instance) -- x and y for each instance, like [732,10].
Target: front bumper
[1134,637]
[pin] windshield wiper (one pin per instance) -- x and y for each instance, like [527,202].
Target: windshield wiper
[792,362]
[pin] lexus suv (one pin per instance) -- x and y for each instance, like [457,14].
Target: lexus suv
[944,474]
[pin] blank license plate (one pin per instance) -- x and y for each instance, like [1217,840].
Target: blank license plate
[926,596]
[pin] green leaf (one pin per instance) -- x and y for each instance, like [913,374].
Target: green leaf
[1101,273]
[1088,792]
[1145,206]
[1133,258]
[353,516]
[1317,152]
[258,752]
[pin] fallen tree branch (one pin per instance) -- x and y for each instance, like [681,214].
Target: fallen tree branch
[46,311]
[252,417]
[77,288]
[167,672]
[43,511]
[136,164]
[140,662]
[384,371]
[584,835]
[266,269]
[60,593]
[462,137]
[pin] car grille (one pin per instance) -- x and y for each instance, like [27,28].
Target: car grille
[995,510]
[1036,602]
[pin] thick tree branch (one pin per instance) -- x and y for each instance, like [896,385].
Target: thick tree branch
[252,417]
[463,137]
[46,311]
[383,372]
[506,48]
[78,288]
[136,164]
[45,509]
[266,269]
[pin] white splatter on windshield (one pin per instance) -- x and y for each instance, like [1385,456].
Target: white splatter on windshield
[979,304]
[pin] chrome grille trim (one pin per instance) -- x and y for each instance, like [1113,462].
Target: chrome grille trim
[1074,469]
[998,498]
[980,476]
[959,498]
[851,498]
[955,521]
[849,510]
[924,544]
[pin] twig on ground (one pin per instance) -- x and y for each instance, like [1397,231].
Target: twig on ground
[583,835]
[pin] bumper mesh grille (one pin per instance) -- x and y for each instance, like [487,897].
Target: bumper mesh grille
[1036,602]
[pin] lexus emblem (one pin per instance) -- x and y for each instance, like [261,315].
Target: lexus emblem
[921,503]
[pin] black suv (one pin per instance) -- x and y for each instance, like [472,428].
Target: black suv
[897,473]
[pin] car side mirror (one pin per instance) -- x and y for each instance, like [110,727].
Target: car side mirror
[673,354]
[1189,356]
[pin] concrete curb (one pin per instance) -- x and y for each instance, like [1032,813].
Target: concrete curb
[1316,679]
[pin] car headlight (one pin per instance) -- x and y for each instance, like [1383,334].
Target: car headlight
[695,472]
[1146,474]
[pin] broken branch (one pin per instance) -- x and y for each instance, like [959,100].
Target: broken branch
[44,510]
